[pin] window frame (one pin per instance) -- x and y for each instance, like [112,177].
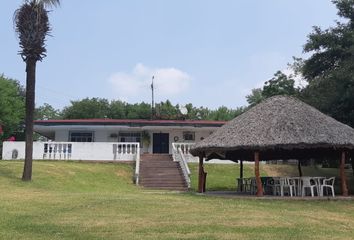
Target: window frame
[191,133]
[82,137]
[131,134]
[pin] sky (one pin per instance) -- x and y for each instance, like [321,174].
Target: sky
[209,53]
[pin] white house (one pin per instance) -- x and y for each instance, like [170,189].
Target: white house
[112,139]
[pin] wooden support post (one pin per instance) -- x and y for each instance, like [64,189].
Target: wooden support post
[201,176]
[258,178]
[204,180]
[299,167]
[342,175]
[241,176]
[351,155]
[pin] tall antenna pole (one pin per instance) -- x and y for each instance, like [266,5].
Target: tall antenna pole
[152,98]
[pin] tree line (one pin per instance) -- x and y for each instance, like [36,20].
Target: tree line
[116,109]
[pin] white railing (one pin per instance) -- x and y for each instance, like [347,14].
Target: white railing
[179,153]
[137,166]
[98,151]
[185,147]
[122,150]
[52,150]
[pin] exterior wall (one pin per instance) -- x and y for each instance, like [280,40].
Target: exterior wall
[179,134]
[62,135]
[80,151]
[103,135]
[9,147]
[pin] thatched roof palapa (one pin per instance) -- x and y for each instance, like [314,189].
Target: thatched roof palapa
[280,127]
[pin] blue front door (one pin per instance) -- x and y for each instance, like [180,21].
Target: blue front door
[160,143]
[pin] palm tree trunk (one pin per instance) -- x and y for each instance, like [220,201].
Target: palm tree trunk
[30,98]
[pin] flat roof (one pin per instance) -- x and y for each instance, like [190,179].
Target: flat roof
[130,122]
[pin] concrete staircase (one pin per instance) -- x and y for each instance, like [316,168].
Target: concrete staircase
[159,171]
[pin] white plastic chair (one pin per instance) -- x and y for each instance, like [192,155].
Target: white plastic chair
[296,182]
[289,184]
[318,182]
[308,182]
[328,184]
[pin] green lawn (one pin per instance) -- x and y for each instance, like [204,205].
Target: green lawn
[76,200]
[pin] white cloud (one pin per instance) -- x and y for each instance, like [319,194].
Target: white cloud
[168,82]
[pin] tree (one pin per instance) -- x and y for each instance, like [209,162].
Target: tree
[279,84]
[195,113]
[87,108]
[330,69]
[255,97]
[32,26]
[12,107]
[117,109]
[138,111]
[225,114]
[46,111]
[165,110]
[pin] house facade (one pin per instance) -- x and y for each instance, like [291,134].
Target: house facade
[112,139]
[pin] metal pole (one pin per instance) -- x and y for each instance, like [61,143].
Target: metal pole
[152,98]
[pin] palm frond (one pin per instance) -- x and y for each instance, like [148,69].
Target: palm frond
[32,26]
[45,3]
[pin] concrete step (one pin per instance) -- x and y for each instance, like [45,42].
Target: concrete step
[164,183]
[183,189]
[158,171]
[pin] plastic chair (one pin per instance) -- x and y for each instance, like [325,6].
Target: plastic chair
[253,186]
[308,182]
[274,185]
[328,184]
[287,183]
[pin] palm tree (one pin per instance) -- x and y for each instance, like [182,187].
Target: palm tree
[32,26]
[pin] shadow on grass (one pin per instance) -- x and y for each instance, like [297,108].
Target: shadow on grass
[34,227]
[9,172]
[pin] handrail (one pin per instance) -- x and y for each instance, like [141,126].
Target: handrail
[184,146]
[179,156]
[185,169]
[137,164]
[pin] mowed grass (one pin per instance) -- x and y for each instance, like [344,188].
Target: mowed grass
[77,200]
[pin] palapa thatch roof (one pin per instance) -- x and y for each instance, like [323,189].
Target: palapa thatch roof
[280,127]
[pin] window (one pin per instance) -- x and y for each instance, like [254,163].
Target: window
[81,137]
[188,136]
[130,137]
